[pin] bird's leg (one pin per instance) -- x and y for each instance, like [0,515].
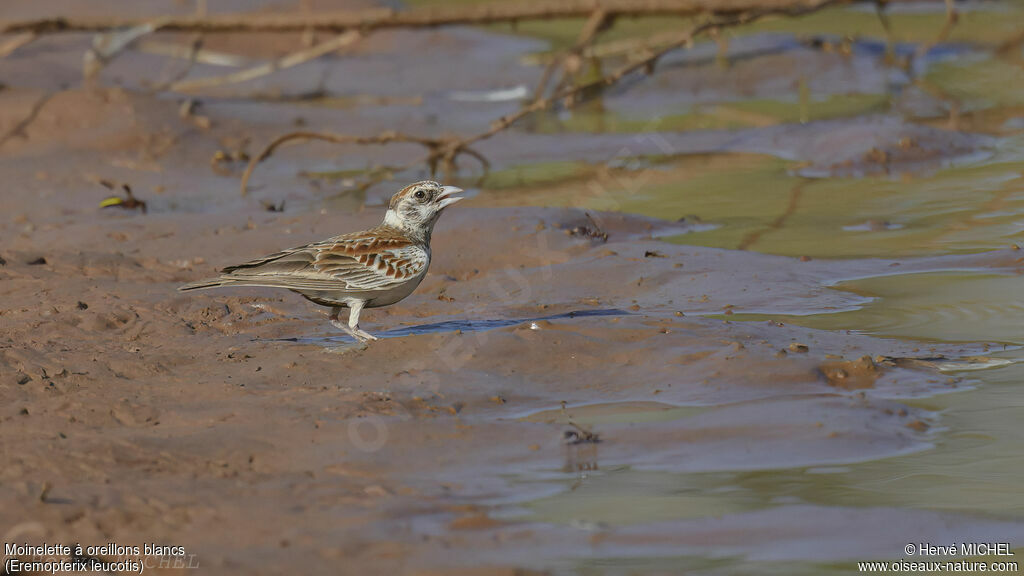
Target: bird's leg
[337,323]
[355,307]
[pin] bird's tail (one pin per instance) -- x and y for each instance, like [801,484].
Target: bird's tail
[208,283]
[228,280]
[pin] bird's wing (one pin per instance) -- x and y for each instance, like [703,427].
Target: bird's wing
[376,259]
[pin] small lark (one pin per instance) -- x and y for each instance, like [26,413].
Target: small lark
[367,269]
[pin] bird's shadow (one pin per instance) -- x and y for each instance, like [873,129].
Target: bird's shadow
[454,325]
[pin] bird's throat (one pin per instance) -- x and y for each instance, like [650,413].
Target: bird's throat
[417,233]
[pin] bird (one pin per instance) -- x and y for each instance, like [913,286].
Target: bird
[366,269]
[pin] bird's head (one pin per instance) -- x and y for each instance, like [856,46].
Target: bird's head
[415,208]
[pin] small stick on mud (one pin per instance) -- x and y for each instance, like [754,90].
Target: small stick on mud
[19,128]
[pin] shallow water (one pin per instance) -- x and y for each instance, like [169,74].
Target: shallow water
[765,204]
[973,466]
[463,326]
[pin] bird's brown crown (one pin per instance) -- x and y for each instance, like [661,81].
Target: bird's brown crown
[425,186]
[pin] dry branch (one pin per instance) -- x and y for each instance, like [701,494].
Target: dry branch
[446,150]
[435,146]
[597,21]
[646,63]
[293,59]
[952,17]
[381,18]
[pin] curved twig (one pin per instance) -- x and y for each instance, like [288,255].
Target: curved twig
[380,139]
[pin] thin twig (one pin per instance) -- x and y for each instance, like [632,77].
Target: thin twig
[8,47]
[593,25]
[185,52]
[883,19]
[194,46]
[19,128]
[107,46]
[952,17]
[293,59]
[380,139]
[571,62]
[381,18]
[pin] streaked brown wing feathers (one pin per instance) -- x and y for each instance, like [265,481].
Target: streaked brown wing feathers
[372,260]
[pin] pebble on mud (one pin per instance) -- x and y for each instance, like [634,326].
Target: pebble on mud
[851,374]
[798,347]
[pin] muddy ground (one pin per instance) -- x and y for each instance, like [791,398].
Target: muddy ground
[537,357]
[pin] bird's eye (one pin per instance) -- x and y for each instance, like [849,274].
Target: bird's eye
[419,194]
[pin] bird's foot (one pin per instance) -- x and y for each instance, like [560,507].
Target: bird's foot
[360,335]
[363,335]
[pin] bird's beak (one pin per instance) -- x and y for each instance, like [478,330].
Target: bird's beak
[445,198]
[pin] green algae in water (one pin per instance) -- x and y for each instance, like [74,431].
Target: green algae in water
[987,26]
[719,116]
[962,209]
[539,174]
[937,306]
[958,210]
[760,204]
[993,82]
[984,25]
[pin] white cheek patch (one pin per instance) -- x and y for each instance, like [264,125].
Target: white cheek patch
[391,219]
